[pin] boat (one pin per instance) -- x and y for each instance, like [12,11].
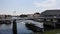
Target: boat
[33,27]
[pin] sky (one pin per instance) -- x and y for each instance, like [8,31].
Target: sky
[18,7]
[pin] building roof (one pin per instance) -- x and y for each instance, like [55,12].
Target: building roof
[51,12]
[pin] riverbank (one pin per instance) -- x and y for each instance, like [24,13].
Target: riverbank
[54,31]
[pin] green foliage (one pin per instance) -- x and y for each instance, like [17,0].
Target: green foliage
[23,16]
[55,31]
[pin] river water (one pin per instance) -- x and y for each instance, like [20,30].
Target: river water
[21,28]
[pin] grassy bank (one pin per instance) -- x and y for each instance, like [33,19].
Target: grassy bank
[55,31]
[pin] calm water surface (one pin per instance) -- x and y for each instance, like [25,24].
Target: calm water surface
[21,28]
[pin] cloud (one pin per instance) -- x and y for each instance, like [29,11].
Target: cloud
[47,4]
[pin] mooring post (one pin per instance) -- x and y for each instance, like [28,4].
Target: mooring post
[14,27]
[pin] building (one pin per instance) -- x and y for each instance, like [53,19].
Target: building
[2,16]
[51,17]
[5,19]
[36,15]
[51,13]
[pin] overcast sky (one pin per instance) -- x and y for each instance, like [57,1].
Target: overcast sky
[18,7]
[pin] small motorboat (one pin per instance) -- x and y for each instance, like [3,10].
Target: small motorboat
[33,27]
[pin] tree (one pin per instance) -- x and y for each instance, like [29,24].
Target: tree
[37,13]
[23,16]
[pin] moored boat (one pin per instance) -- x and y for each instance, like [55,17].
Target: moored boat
[33,27]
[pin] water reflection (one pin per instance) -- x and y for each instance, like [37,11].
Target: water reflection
[6,29]
[21,28]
